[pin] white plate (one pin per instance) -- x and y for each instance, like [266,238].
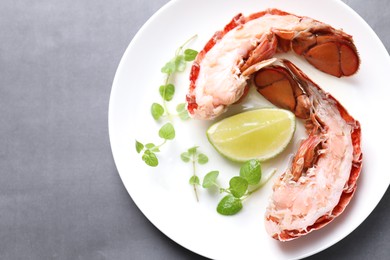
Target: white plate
[163,193]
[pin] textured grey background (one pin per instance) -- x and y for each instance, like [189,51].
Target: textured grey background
[60,194]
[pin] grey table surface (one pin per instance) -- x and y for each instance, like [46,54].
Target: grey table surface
[60,194]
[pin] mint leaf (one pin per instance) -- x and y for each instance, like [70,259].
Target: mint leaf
[194,180]
[190,55]
[251,171]
[157,111]
[167,132]
[202,158]
[138,146]
[210,179]
[167,91]
[238,186]
[229,205]
[150,158]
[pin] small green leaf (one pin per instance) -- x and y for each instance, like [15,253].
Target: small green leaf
[157,110]
[251,171]
[202,158]
[167,91]
[194,180]
[210,179]
[150,158]
[182,111]
[169,67]
[184,115]
[167,132]
[229,205]
[185,157]
[138,146]
[150,145]
[180,63]
[190,55]
[238,186]
[181,107]
[192,150]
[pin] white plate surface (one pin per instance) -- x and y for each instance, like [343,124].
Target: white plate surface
[163,193]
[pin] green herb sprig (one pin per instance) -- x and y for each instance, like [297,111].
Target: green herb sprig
[167,91]
[194,156]
[166,132]
[240,187]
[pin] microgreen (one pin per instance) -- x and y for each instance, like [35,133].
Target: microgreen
[210,179]
[176,64]
[167,132]
[194,156]
[149,150]
[194,180]
[240,187]
[182,111]
[190,55]
[157,111]
[251,171]
[138,146]
[150,158]
[167,91]
[229,205]
[202,158]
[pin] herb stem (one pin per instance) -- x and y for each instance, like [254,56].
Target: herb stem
[169,115]
[167,80]
[194,174]
[262,183]
[158,146]
[184,44]
[221,190]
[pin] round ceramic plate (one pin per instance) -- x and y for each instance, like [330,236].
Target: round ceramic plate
[163,193]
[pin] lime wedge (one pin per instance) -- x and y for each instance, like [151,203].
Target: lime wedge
[257,134]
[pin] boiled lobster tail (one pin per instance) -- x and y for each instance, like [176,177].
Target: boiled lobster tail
[247,41]
[327,165]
